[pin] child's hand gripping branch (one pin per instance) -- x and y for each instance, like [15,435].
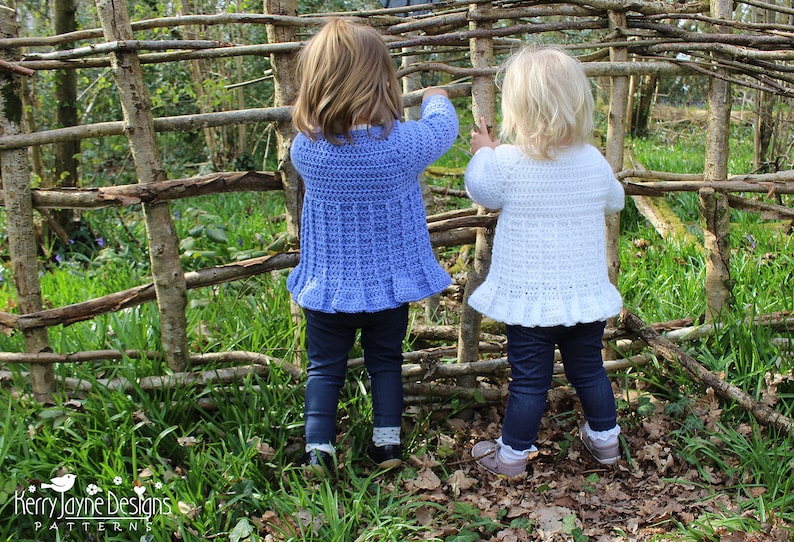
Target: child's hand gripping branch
[481,138]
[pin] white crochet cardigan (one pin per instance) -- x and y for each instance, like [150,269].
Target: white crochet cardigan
[549,251]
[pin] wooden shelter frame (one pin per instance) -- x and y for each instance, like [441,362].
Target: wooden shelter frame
[639,38]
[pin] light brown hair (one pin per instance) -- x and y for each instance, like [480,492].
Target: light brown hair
[346,77]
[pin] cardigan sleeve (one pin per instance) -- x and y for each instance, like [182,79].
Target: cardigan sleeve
[481,180]
[428,138]
[615,198]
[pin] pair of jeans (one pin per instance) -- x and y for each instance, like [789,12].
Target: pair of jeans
[530,352]
[329,339]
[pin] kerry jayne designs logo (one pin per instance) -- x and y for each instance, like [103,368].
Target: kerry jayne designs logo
[52,506]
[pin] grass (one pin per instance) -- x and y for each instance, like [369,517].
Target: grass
[215,460]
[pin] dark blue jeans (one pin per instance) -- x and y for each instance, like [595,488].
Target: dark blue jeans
[329,338]
[530,352]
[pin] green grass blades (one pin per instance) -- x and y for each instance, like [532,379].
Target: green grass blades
[346,507]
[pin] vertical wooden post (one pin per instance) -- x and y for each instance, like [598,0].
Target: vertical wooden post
[412,81]
[616,135]
[286,91]
[482,101]
[19,214]
[286,86]
[615,143]
[167,273]
[715,206]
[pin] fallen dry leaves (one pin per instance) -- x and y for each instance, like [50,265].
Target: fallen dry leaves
[565,494]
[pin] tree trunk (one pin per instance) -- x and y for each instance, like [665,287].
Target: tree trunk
[65,174]
[167,274]
[763,129]
[716,209]
[62,222]
[764,124]
[643,103]
[198,69]
[19,214]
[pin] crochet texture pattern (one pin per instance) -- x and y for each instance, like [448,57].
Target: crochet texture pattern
[364,240]
[549,264]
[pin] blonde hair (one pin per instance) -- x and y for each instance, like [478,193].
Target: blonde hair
[347,76]
[547,102]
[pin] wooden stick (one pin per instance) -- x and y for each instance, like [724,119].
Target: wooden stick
[78,312]
[16,68]
[668,350]
[258,364]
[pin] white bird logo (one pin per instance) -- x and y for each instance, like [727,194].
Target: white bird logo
[61,484]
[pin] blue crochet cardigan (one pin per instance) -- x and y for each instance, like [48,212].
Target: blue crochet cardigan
[364,240]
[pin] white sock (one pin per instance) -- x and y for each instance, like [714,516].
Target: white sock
[311,446]
[383,436]
[508,453]
[602,436]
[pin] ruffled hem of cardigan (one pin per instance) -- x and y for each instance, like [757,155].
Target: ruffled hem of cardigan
[340,295]
[540,312]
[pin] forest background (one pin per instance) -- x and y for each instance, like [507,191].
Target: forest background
[218,451]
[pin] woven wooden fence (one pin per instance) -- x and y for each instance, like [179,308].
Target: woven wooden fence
[629,41]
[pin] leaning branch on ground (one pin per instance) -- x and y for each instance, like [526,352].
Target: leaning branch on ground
[668,350]
[678,331]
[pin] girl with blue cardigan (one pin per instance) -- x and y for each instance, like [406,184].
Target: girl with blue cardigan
[365,248]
